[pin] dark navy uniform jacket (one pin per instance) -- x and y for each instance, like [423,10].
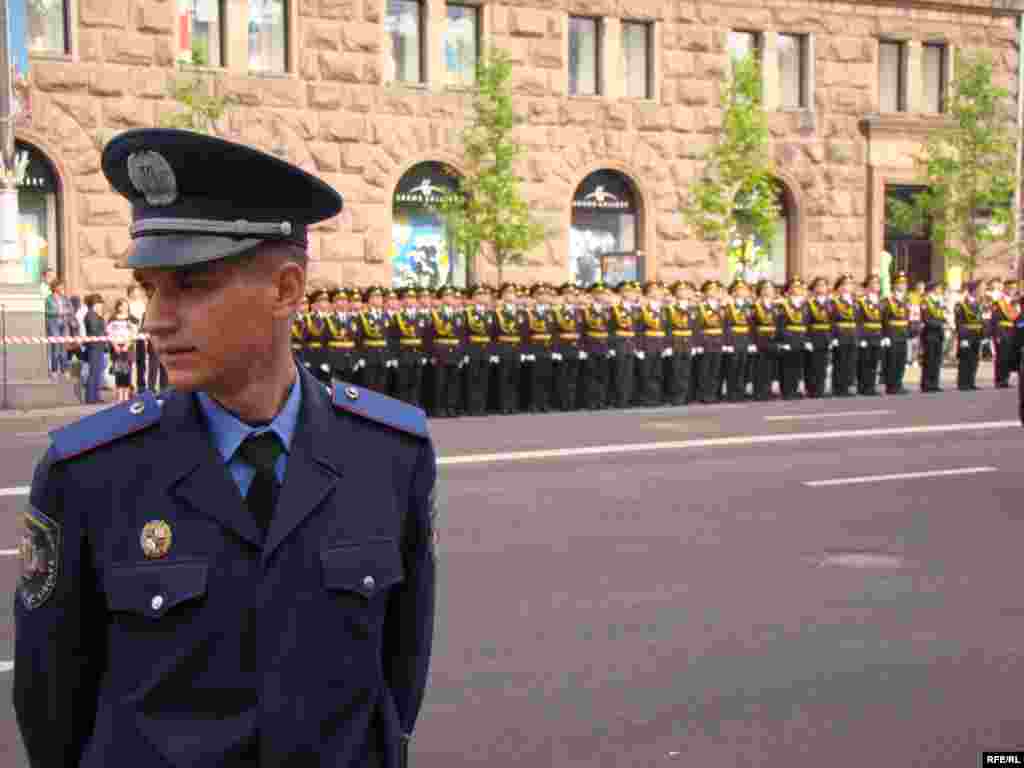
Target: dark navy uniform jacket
[319,637]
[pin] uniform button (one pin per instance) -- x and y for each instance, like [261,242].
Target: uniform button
[368,582]
[157,602]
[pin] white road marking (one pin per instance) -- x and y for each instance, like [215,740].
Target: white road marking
[21,490]
[6,666]
[8,552]
[810,416]
[32,435]
[900,476]
[719,442]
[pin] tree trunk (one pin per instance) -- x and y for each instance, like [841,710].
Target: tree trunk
[499,259]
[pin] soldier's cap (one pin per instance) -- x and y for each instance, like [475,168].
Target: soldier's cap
[566,289]
[764,284]
[901,279]
[599,287]
[995,281]
[737,284]
[447,290]
[373,290]
[316,295]
[507,287]
[198,198]
[870,279]
[1011,283]
[820,280]
[935,284]
[336,293]
[710,285]
[406,292]
[796,282]
[480,289]
[842,280]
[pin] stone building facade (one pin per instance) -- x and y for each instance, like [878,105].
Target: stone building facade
[335,110]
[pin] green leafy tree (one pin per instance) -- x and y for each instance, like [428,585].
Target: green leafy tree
[735,203]
[968,165]
[489,209]
[199,107]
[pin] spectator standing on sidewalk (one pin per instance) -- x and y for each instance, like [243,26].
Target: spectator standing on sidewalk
[137,312]
[56,325]
[121,330]
[47,281]
[96,350]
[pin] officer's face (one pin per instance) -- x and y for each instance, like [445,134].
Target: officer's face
[220,326]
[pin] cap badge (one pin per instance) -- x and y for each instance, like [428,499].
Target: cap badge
[155,539]
[352,393]
[152,175]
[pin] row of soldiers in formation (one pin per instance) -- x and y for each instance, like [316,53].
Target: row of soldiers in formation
[540,348]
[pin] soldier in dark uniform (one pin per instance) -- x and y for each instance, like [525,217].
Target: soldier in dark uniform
[738,340]
[298,333]
[896,335]
[846,321]
[568,345]
[480,331]
[793,318]
[821,336]
[655,344]
[183,553]
[870,339]
[410,329]
[316,335]
[1002,331]
[622,348]
[681,322]
[933,318]
[373,327]
[446,331]
[596,348]
[538,347]
[341,338]
[510,321]
[970,330]
[766,332]
[711,327]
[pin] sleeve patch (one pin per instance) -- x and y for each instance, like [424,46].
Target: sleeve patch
[40,558]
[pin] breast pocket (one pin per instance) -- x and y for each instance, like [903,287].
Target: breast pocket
[156,592]
[359,576]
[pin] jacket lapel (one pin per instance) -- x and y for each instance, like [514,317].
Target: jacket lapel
[312,470]
[196,473]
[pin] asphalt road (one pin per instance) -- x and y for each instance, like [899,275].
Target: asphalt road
[662,586]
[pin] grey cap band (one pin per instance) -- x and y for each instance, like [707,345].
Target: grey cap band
[240,228]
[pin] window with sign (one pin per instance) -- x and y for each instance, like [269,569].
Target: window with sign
[200,32]
[605,230]
[268,36]
[38,212]
[422,253]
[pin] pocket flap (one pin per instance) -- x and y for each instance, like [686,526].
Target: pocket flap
[152,589]
[366,567]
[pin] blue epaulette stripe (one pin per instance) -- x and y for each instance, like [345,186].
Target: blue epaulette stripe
[381,408]
[104,427]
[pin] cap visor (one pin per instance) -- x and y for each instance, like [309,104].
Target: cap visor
[173,251]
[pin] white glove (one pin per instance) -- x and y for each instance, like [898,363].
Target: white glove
[640,355]
[495,360]
[667,352]
[556,356]
[752,349]
[306,363]
[423,361]
[785,347]
[965,345]
[808,346]
[863,345]
[583,355]
[834,343]
[360,364]
[698,350]
[611,353]
[522,358]
[465,359]
[886,342]
[728,349]
[325,368]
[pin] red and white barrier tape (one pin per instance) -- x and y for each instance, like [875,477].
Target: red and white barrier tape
[70,339]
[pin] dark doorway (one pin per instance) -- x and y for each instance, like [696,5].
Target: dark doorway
[911,251]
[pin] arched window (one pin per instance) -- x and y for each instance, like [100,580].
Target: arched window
[38,213]
[421,249]
[603,240]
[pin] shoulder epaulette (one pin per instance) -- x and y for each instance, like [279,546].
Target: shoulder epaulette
[105,427]
[381,408]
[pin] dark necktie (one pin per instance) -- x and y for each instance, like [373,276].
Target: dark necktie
[261,452]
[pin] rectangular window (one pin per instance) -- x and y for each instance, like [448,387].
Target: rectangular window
[584,56]
[741,44]
[200,33]
[462,44]
[404,25]
[46,25]
[793,71]
[268,35]
[934,71]
[892,76]
[637,58]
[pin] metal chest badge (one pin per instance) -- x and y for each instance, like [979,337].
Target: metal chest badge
[152,175]
[40,558]
[155,539]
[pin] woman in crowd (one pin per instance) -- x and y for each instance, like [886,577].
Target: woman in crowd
[122,331]
[56,325]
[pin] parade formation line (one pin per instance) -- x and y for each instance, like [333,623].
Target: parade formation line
[901,476]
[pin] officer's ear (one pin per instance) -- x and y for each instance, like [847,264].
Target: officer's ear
[286,269]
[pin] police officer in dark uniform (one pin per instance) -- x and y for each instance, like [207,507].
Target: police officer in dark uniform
[766,332]
[896,335]
[793,317]
[568,346]
[933,335]
[970,330]
[846,322]
[870,344]
[182,553]
[820,333]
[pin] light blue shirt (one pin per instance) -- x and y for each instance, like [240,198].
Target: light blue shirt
[228,432]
